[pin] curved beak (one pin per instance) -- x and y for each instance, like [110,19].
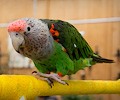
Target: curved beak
[17,40]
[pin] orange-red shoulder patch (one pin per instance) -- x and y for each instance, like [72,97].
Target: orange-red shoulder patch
[60,74]
[53,31]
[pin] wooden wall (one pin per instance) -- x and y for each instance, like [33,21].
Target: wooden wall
[104,37]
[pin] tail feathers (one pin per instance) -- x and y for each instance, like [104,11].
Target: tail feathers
[99,59]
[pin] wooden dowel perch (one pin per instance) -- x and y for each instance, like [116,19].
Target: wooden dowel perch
[13,87]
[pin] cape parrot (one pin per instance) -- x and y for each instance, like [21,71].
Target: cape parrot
[54,46]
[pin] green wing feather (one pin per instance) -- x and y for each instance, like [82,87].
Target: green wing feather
[71,39]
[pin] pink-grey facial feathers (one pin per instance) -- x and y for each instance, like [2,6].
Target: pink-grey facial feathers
[34,39]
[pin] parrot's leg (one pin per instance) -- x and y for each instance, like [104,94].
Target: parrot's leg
[50,77]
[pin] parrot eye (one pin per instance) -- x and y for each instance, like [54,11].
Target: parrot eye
[28,28]
[16,34]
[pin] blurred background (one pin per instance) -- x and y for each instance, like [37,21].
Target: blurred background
[97,20]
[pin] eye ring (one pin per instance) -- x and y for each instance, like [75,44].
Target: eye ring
[28,28]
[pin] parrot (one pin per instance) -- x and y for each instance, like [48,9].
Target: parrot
[56,47]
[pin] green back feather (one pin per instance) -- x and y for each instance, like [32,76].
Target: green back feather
[69,37]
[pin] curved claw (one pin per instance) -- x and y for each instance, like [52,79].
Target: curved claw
[66,83]
[49,81]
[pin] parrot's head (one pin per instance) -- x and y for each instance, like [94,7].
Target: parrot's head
[30,31]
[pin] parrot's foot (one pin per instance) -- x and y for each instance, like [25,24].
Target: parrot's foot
[50,77]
